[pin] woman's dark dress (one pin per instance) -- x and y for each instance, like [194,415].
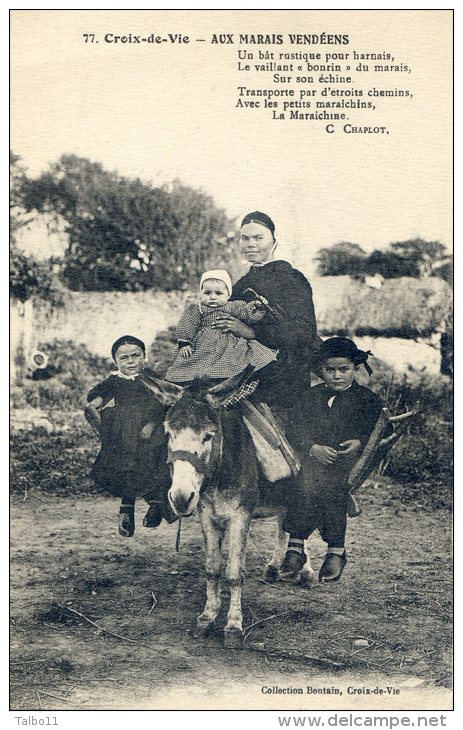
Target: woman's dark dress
[127,465]
[295,336]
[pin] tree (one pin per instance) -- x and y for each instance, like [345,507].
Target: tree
[421,254]
[19,217]
[340,259]
[125,234]
[415,257]
[29,279]
[389,265]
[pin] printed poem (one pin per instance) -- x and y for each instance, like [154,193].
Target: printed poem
[341,91]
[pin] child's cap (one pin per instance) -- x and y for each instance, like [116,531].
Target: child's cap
[127,340]
[257,217]
[219,274]
[344,347]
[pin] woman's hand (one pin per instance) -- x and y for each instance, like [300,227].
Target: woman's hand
[350,448]
[326,455]
[227,323]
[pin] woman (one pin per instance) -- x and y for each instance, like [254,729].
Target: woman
[287,290]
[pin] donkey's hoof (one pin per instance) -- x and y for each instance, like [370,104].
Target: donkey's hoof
[233,639]
[307,579]
[203,628]
[271,574]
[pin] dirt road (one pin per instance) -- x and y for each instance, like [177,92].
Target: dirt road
[69,568]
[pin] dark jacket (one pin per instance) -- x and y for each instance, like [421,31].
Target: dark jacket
[295,336]
[353,415]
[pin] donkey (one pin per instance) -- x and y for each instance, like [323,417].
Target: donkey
[215,469]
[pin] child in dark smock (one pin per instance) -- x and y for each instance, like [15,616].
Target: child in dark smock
[206,351]
[328,430]
[132,459]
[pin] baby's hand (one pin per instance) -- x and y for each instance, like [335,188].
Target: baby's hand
[186,351]
[260,304]
[147,431]
[350,448]
[324,454]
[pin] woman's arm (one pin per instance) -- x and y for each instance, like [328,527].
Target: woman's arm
[228,323]
[238,319]
[288,292]
[298,325]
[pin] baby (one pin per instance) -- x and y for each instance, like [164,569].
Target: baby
[204,350]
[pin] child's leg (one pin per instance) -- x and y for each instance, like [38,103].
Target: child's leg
[127,517]
[301,519]
[155,513]
[295,557]
[333,532]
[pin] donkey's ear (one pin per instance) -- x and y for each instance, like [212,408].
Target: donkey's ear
[166,393]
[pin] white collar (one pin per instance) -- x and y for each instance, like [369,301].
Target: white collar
[340,391]
[124,377]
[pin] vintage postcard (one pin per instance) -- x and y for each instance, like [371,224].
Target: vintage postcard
[261,199]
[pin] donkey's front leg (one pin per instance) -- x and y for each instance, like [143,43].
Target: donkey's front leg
[307,575]
[213,535]
[238,534]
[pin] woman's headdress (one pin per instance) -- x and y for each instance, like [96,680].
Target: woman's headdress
[258,217]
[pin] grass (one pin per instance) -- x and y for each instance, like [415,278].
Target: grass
[73,370]
[422,461]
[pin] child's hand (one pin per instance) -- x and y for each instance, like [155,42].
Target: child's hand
[260,304]
[324,454]
[186,351]
[147,431]
[95,404]
[92,415]
[350,448]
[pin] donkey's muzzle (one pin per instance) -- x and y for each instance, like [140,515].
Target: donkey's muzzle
[182,504]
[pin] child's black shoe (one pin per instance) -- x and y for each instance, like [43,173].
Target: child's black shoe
[169,514]
[126,520]
[153,517]
[332,567]
[292,564]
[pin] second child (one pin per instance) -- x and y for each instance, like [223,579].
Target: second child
[328,430]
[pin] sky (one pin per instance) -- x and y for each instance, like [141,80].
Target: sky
[169,111]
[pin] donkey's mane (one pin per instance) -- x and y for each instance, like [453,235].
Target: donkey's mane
[192,410]
[199,385]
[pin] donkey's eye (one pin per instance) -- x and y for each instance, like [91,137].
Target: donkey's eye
[207,437]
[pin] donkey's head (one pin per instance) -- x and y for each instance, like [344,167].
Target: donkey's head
[195,441]
[195,435]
